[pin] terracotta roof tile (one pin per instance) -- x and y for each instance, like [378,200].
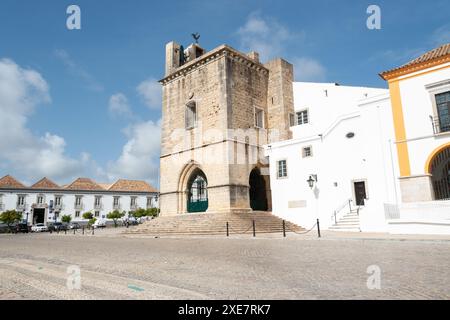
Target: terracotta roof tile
[84,184]
[430,56]
[8,182]
[132,185]
[45,184]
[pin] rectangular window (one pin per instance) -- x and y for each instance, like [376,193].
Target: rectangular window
[191,115]
[97,214]
[20,200]
[77,214]
[133,201]
[307,152]
[77,200]
[149,201]
[302,117]
[282,169]
[443,111]
[40,200]
[97,201]
[259,118]
[57,200]
[116,201]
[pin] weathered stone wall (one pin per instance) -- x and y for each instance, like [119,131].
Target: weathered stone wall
[226,87]
[280,98]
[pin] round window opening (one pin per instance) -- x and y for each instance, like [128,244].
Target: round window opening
[350,135]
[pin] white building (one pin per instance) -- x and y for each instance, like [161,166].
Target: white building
[45,201]
[377,159]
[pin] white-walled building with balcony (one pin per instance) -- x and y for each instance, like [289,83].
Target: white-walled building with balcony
[366,159]
[45,201]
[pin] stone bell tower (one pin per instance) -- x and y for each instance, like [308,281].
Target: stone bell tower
[219,108]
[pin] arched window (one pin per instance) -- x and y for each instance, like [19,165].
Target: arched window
[191,115]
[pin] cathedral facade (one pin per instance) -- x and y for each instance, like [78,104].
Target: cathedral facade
[219,108]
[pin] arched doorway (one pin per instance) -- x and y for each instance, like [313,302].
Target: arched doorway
[440,174]
[197,192]
[258,194]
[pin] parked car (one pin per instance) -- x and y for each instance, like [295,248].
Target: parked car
[99,224]
[74,226]
[57,226]
[22,228]
[40,227]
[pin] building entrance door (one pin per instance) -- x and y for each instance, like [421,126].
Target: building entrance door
[38,216]
[360,192]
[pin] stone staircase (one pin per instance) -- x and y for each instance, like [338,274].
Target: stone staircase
[348,222]
[214,224]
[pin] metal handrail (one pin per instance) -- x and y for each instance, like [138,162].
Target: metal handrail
[339,209]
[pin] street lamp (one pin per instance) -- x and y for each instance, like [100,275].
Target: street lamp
[312,179]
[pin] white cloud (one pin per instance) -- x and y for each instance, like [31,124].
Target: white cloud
[140,155]
[21,91]
[150,92]
[308,69]
[265,36]
[118,105]
[78,71]
[441,35]
[271,39]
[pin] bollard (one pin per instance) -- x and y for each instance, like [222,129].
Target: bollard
[254,229]
[318,228]
[93,230]
[284,229]
[228,230]
[65,231]
[74,230]
[83,230]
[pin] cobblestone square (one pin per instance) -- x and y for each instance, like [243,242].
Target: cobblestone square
[35,266]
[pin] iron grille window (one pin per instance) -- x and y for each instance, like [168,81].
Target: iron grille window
[443,111]
[77,214]
[302,117]
[282,169]
[307,152]
[199,189]
[97,213]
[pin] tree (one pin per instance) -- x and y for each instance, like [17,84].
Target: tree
[115,215]
[66,218]
[88,215]
[92,221]
[139,213]
[10,217]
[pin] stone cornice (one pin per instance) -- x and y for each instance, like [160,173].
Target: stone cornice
[223,50]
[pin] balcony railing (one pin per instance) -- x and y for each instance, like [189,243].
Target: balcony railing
[78,206]
[21,207]
[116,206]
[98,206]
[441,124]
[134,207]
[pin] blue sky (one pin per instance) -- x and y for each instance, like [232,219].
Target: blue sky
[86,103]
